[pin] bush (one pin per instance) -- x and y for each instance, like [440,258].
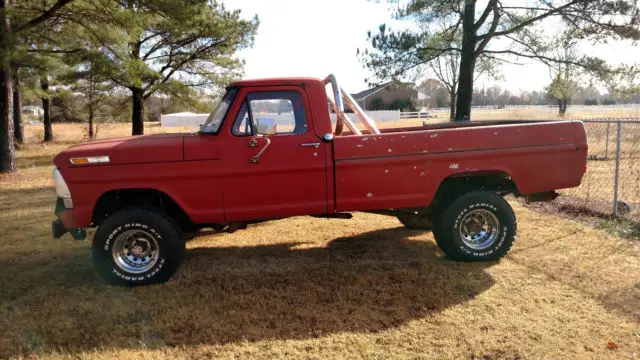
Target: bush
[608,102]
[402,105]
[591,102]
[377,104]
[66,107]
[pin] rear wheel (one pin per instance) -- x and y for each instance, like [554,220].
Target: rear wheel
[477,226]
[138,246]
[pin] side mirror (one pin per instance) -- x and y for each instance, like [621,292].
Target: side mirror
[328,137]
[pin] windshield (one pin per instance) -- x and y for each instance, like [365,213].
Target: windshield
[217,115]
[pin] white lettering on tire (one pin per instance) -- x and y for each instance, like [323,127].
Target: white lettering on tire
[494,246]
[116,270]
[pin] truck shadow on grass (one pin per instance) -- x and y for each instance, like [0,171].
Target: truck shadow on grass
[367,283]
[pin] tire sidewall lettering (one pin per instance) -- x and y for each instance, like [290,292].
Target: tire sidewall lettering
[505,229]
[117,271]
[137,277]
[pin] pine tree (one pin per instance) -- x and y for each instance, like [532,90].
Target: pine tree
[168,47]
[13,26]
[499,30]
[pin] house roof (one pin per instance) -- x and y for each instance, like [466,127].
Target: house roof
[367,93]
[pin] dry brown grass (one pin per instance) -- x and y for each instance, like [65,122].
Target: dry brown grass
[598,183]
[313,288]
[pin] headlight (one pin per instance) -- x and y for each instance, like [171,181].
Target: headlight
[62,190]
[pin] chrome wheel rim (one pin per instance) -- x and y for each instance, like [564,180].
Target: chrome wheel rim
[135,251]
[479,229]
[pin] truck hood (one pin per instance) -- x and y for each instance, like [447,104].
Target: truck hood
[127,150]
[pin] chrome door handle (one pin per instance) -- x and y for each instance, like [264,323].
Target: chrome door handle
[315,144]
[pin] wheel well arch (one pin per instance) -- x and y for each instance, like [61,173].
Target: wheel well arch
[114,200]
[498,181]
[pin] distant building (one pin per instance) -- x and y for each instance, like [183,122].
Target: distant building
[187,119]
[32,110]
[387,93]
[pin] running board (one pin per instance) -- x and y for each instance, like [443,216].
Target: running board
[345,216]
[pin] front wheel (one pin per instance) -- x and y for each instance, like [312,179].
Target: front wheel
[138,246]
[477,226]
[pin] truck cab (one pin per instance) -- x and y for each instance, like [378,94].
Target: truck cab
[272,157]
[269,150]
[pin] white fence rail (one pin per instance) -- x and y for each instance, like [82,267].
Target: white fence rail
[416,115]
[190,119]
[616,107]
[377,115]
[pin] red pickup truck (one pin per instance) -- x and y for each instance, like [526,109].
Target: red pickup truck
[270,150]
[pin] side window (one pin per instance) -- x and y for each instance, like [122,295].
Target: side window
[277,112]
[242,126]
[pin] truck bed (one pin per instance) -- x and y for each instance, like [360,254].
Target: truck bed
[404,167]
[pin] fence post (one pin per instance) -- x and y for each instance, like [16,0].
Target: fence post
[617,179]
[606,146]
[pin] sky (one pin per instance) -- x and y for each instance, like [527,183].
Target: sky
[315,38]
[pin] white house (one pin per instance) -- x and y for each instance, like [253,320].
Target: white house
[182,119]
[32,110]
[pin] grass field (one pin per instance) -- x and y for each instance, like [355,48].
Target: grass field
[312,288]
[597,189]
[547,113]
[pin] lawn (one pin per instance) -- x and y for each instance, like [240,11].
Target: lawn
[313,288]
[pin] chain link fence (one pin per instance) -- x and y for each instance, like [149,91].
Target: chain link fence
[611,185]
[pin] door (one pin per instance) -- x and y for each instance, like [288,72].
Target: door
[277,161]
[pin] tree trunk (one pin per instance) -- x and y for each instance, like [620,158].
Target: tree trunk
[137,117]
[467,63]
[7,146]
[90,121]
[18,131]
[562,107]
[46,108]
[452,106]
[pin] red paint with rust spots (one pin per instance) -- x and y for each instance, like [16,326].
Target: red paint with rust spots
[212,179]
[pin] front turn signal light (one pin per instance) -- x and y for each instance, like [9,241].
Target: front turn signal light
[86,160]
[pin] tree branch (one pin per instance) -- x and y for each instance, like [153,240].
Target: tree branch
[528,47]
[95,35]
[58,51]
[484,16]
[424,61]
[494,26]
[485,55]
[531,20]
[546,59]
[44,16]
[177,66]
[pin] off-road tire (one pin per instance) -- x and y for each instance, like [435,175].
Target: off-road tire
[167,234]
[449,233]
